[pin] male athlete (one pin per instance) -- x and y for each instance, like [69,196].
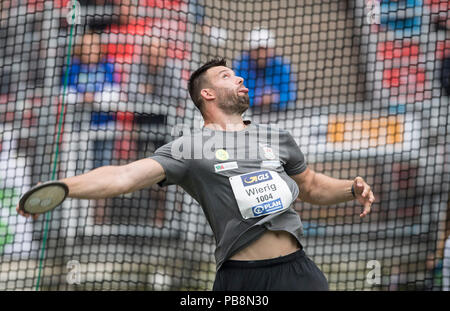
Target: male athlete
[246,178]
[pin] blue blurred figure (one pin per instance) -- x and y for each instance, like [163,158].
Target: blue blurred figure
[92,75]
[272,84]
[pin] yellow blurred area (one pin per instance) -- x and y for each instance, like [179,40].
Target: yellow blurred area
[368,132]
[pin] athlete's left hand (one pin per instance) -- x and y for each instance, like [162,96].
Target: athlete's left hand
[364,195]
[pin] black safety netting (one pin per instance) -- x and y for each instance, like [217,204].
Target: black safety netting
[361,85]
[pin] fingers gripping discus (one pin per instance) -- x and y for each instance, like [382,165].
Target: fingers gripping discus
[44,197]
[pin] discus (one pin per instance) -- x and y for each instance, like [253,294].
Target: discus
[43,197]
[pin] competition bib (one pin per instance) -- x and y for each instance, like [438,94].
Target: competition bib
[260,193]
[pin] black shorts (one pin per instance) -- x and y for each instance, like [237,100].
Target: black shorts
[294,272]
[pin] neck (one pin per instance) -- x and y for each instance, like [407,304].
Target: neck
[224,122]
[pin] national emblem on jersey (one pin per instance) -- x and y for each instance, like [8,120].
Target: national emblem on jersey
[268,152]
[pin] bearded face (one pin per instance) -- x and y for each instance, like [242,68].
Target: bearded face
[227,90]
[233,101]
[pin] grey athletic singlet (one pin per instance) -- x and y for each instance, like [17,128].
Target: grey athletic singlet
[240,179]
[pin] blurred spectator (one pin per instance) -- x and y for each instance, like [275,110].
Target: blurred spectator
[91,74]
[153,80]
[269,78]
[155,83]
[152,77]
[92,78]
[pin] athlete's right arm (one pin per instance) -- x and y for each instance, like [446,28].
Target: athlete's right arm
[111,181]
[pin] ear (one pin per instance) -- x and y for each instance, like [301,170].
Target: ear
[208,94]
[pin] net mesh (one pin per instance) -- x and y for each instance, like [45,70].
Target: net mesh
[361,85]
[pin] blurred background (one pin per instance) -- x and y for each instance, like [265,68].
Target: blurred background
[362,86]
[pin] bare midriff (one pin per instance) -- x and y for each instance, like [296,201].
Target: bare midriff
[271,244]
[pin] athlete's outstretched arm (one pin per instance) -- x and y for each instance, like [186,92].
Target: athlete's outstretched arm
[111,181]
[319,189]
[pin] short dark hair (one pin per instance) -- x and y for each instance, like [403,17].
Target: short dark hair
[197,80]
